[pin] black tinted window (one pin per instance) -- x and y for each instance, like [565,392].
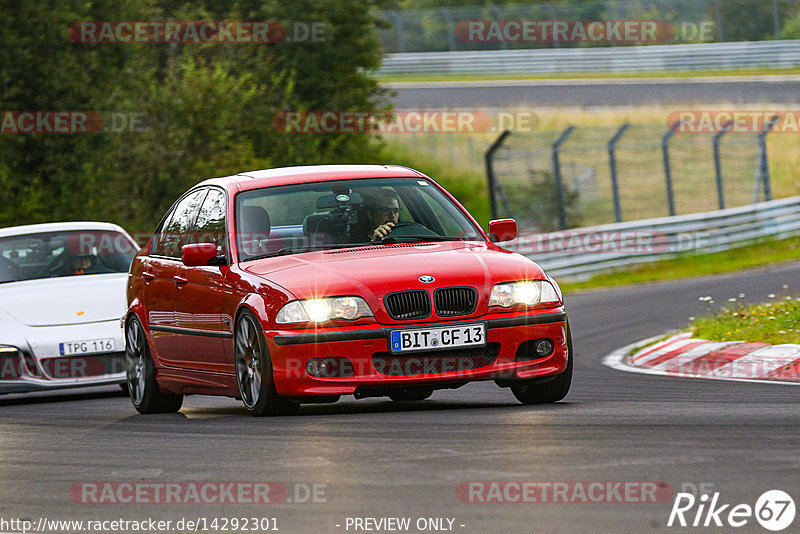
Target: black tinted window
[176,229]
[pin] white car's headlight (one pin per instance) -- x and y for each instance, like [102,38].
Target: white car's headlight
[322,310]
[526,293]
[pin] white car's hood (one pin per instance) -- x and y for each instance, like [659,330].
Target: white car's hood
[63,301]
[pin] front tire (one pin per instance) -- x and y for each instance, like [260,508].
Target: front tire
[254,371]
[141,374]
[531,392]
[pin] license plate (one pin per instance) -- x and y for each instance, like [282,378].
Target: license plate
[89,346]
[418,339]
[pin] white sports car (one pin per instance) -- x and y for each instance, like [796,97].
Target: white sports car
[62,293]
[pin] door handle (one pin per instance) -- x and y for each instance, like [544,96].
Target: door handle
[148,276]
[179,280]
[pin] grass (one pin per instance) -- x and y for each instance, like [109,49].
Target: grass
[773,322]
[756,255]
[391,78]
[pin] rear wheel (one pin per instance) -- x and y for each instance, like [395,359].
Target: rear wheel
[254,371]
[411,394]
[536,392]
[141,374]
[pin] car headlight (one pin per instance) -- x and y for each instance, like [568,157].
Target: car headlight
[525,293]
[322,310]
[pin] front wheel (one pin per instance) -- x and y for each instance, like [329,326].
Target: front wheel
[140,374]
[254,371]
[531,392]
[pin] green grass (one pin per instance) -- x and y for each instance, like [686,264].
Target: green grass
[761,71]
[755,255]
[771,322]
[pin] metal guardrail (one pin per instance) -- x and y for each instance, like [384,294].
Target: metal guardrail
[711,56]
[582,252]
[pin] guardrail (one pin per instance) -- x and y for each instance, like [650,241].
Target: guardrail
[712,56]
[582,252]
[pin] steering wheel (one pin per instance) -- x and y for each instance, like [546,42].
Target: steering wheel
[415,229]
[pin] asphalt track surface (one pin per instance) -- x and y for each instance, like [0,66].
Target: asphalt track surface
[381,459]
[597,92]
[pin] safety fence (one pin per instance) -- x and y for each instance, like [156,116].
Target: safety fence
[446,28]
[595,175]
[683,57]
[580,253]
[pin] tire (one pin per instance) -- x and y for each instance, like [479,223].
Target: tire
[254,370]
[536,392]
[411,394]
[141,374]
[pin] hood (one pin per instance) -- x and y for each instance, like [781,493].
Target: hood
[375,271]
[64,301]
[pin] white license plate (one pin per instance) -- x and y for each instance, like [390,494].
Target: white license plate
[89,346]
[417,339]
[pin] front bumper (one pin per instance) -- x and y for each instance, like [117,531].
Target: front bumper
[37,365]
[367,348]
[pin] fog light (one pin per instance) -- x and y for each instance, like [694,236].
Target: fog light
[329,367]
[544,347]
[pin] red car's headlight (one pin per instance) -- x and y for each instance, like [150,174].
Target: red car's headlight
[324,309]
[524,293]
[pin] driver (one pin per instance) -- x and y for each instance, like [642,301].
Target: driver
[383,212]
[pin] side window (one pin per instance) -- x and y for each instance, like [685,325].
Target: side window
[210,224]
[176,231]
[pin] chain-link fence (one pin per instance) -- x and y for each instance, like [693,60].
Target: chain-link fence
[443,29]
[594,175]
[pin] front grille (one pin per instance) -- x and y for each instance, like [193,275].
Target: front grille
[408,304]
[455,301]
[435,363]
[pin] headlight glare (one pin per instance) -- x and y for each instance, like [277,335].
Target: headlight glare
[324,309]
[525,293]
[318,310]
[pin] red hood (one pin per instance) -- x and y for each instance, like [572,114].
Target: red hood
[372,272]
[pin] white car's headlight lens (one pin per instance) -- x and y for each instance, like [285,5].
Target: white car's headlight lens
[527,293]
[322,310]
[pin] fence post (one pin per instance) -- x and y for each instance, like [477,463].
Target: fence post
[718,164]
[399,29]
[450,29]
[562,208]
[668,168]
[612,159]
[763,163]
[490,176]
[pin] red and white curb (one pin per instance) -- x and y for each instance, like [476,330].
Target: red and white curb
[683,356]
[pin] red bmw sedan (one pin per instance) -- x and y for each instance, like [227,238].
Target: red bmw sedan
[298,285]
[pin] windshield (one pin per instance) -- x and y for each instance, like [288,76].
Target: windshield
[67,253]
[346,213]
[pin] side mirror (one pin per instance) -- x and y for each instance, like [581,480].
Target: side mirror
[198,254]
[502,230]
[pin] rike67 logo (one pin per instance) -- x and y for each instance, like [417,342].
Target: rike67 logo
[774,510]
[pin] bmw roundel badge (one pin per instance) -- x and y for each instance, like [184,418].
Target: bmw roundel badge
[426,279]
